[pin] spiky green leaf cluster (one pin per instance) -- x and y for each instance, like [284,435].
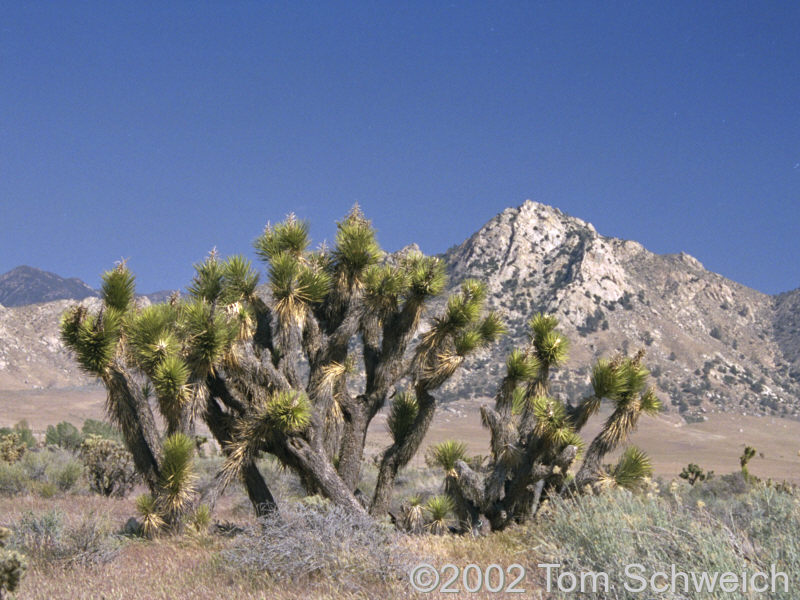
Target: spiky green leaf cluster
[464,307]
[550,345]
[634,377]
[152,521]
[519,400]
[552,422]
[170,380]
[177,475]
[624,381]
[93,338]
[445,454]
[295,285]
[288,412]
[384,287]
[492,327]
[118,288]
[239,280]
[209,335]
[605,380]
[541,324]
[150,334]
[426,274]
[283,413]
[201,518]
[649,403]
[207,282]
[439,507]
[467,342]
[479,335]
[456,334]
[631,469]
[356,246]
[402,415]
[551,348]
[290,237]
[522,366]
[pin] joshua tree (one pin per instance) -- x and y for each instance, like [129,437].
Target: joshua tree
[271,375]
[535,437]
[744,459]
[693,473]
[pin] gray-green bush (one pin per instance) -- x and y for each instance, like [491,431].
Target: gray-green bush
[47,537]
[45,472]
[604,533]
[315,541]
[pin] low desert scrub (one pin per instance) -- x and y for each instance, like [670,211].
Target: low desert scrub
[48,538]
[44,472]
[316,542]
[696,529]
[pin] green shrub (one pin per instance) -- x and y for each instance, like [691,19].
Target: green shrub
[200,519]
[13,479]
[44,472]
[101,429]
[45,489]
[36,464]
[108,465]
[39,536]
[64,435]
[65,476]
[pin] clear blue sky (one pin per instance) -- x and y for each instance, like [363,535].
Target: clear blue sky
[155,131]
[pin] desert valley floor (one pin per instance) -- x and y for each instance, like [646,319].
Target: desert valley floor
[715,444]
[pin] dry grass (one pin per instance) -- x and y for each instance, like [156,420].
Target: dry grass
[193,566]
[209,565]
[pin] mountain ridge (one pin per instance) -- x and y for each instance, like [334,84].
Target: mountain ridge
[25,285]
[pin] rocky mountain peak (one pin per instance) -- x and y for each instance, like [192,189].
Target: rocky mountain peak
[711,341]
[550,259]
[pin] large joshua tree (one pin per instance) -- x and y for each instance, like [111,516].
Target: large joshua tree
[274,375]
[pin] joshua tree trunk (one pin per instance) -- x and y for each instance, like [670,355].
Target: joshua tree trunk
[221,426]
[130,411]
[401,452]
